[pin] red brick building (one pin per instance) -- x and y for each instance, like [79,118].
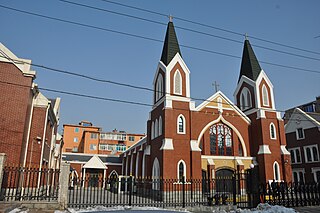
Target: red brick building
[92,152]
[303,138]
[29,120]
[215,138]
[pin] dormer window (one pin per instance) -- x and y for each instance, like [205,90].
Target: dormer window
[177,83]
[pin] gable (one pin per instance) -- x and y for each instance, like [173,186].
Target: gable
[300,119]
[224,104]
[95,163]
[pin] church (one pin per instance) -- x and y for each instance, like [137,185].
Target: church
[215,138]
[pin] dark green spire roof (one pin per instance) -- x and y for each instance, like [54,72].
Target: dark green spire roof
[249,66]
[171,45]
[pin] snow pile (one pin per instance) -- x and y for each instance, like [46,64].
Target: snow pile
[266,208]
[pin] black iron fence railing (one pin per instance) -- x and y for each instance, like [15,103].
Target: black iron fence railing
[290,194]
[21,183]
[126,190]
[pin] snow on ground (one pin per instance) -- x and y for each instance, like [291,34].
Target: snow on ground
[261,208]
[266,208]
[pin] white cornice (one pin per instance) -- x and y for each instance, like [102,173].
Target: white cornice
[24,65]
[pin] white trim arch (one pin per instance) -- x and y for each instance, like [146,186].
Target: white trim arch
[137,165]
[181,121]
[152,130]
[156,174]
[220,118]
[272,131]
[113,172]
[143,165]
[177,83]
[156,128]
[160,125]
[159,87]
[265,96]
[184,170]
[276,171]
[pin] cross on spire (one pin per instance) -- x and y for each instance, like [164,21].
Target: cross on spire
[216,85]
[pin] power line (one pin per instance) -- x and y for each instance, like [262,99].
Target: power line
[187,29]
[210,26]
[104,80]
[125,101]
[150,39]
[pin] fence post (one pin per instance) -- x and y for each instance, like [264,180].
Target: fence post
[234,186]
[130,190]
[2,162]
[63,184]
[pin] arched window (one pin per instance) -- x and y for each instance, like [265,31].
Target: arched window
[127,166]
[177,83]
[160,125]
[242,102]
[143,165]
[272,131]
[152,130]
[131,165]
[159,87]
[181,126]
[315,154]
[276,171]
[249,99]
[220,140]
[181,173]
[137,165]
[156,129]
[245,99]
[265,97]
[156,175]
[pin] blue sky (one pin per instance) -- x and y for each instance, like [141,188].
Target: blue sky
[130,60]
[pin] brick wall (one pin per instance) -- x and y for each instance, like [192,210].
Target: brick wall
[15,111]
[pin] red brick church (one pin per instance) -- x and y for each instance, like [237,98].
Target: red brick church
[216,137]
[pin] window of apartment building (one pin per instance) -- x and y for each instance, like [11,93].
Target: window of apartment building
[316,174]
[75,139]
[300,134]
[131,138]
[295,155]
[298,175]
[76,129]
[75,149]
[93,147]
[94,136]
[311,153]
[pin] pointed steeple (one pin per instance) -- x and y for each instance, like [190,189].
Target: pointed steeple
[250,66]
[171,45]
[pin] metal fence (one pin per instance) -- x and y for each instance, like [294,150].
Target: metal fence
[21,183]
[131,191]
[290,194]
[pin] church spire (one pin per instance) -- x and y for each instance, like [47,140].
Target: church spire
[171,45]
[250,66]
